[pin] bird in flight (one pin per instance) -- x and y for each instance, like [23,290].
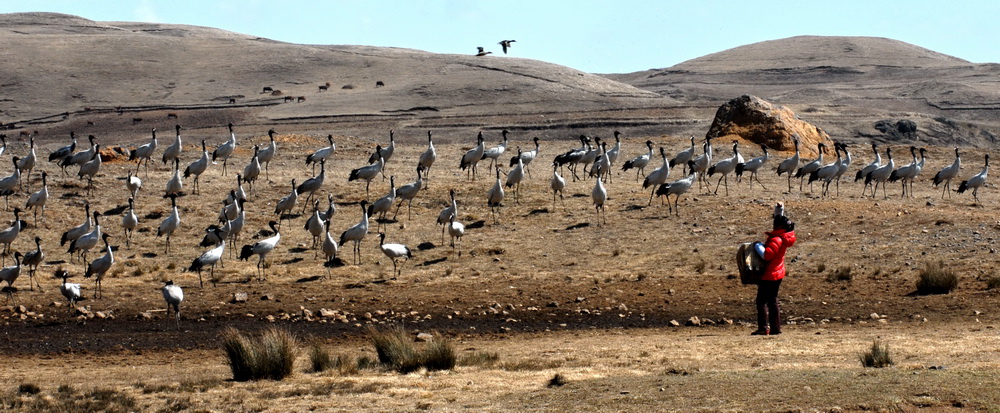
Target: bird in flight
[505,44]
[482,52]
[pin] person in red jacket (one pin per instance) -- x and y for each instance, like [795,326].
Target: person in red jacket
[778,241]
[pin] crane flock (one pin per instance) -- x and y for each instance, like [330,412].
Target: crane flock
[674,176]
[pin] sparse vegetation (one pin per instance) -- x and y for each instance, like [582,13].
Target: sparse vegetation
[821,267]
[701,266]
[68,399]
[479,358]
[993,283]
[935,278]
[557,381]
[269,356]
[840,274]
[28,388]
[319,357]
[396,351]
[878,356]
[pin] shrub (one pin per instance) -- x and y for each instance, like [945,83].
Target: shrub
[28,388]
[841,274]
[320,358]
[396,351]
[993,283]
[269,356]
[877,356]
[346,365]
[935,278]
[557,381]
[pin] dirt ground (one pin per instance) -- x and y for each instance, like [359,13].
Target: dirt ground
[545,285]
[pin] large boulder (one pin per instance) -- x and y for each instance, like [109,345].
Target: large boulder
[756,120]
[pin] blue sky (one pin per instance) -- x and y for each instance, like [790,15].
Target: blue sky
[591,35]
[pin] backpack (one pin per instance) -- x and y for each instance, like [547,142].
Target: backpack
[750,264]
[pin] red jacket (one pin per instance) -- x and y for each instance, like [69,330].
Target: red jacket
[774,253]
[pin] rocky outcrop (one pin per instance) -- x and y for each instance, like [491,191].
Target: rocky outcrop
[758,121]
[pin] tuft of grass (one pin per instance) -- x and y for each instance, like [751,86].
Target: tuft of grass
[878,356]
[479,358]
[821,267]
[840,274]
[993,283]
[28,388]
[319,358]
[396,351]
[701,266]
[268,356]
[936,278]
[558,380]
[346,365]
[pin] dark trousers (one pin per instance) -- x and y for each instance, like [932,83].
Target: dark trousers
[767,306]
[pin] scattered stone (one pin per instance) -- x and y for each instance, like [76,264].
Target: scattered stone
[580,299]
[20,309]
[874,316]
[694,321]
[327,313]
[674,323]
[240,297]
[425,337]
[727,321]
[267,297]
[306,313]
[622,307]
[102,315]
[145,315]
[552,304]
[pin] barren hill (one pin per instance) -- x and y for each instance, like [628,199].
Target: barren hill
[846,85]
[62,71]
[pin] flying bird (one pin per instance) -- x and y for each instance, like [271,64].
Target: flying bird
[482,52]
[505,44]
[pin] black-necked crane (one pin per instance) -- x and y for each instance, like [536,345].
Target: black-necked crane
[266,155]
[428,157]
[494,198]
[287,203]
[725,167]
[805,170]
[494,153]
[57,155]
[32,260]
[684,156]
[386,153]
[97,268]
[600,196]
[329,247]
[906,172]
[752,166]
[867,169]
[515,176]
[406,193]
[311,185]
[658,176]
[315,224]
[175,184]
[601,168]
[321,154]
[225,150]
[367,172]
[3,139]
[615,150]
[252,170]
[83,244]
[261,249]
[356,234]
[702,163]
[557,183]
[230,207]
[174,150]
[331,208]
[948,173]
[9,235]
[170,224]
[977,181]
[789,165]
[39,198]
[79,158]
[472,157]
[26,164]
[133,184]
[394,252]
[678,188]
[209,259]
[90,168]
[573,156]
[9,183]
[69,290]
[143,153]
[844,165]
[174,296]
[446,213]
[76,232]
[197,168]
[10,274]
[526,158]
[236,225]
[827,172]
[881,174]
[456,230]
[130,221]
[590,156]
[238,192]
[382,205]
